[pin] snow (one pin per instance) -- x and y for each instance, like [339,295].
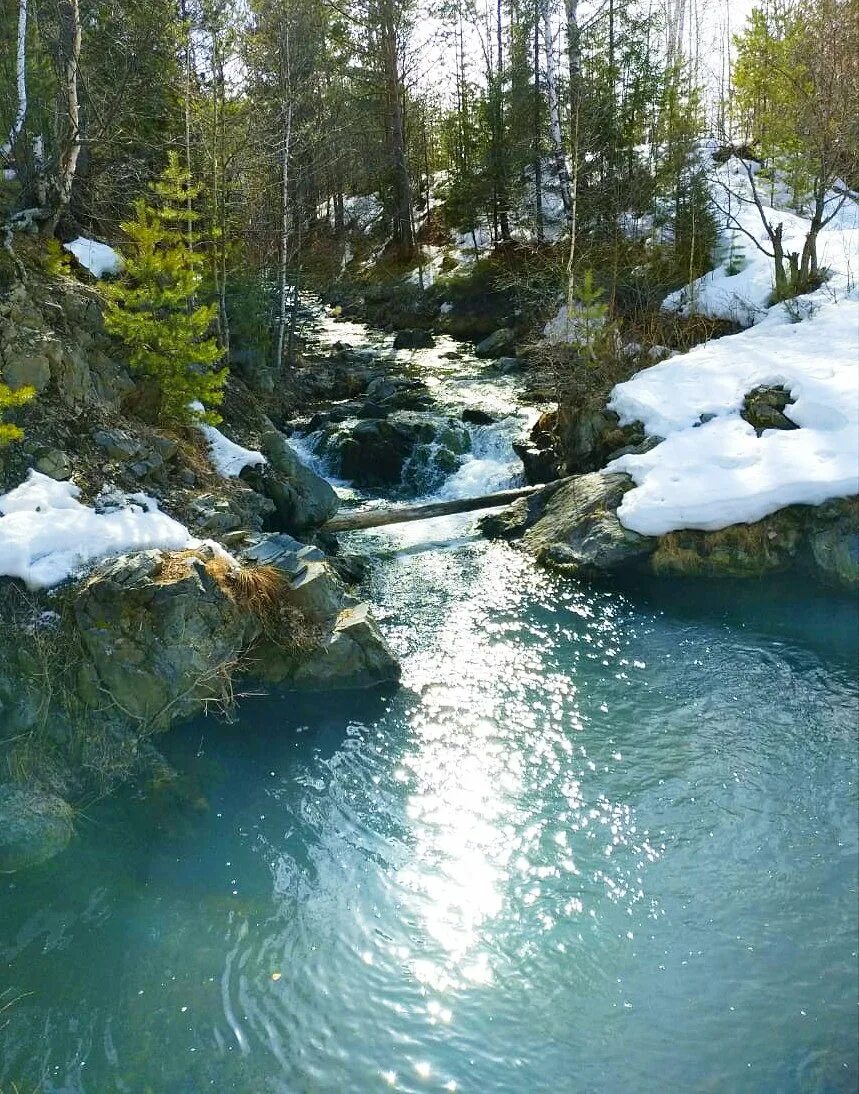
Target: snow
[228,458]
[47,535]
[96,257]
[711,475]
[740,288]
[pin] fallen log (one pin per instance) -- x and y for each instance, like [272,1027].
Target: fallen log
[376,518]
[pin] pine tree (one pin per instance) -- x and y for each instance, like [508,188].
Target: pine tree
[153,308]
[8,400]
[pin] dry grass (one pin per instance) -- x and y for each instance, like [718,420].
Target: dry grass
[258,589]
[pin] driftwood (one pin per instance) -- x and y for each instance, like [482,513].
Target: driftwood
[376,518]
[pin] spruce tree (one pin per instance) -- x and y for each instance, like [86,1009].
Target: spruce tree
[153,307]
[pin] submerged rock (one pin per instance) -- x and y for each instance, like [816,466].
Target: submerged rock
[34,826]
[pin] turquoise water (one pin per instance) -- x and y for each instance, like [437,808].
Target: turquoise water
[601,840]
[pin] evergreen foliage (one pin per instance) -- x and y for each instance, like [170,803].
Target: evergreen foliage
[10,399]
[153,308]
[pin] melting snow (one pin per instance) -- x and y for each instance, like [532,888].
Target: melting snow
[47,535]
[719,473]
[229,458]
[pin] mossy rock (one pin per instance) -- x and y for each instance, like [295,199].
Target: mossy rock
[34,826]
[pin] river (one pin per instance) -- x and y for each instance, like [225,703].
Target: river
[601,839]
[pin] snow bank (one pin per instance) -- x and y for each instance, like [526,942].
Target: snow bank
[47,535]
[229,458]
[718,473]
[96,257]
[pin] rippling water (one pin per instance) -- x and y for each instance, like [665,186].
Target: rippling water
[601,840]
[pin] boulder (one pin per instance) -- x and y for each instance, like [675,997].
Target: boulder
[54,463]
[578,528]
[413,339]
[302,499]
[573,526]
[476,416]
[158,635]
[398,393]
[34,826]
[540,464]
[355,655]
[496,344]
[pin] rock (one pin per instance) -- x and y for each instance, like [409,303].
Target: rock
[476,416]
[26,369]
[355,655]
[34,826]
[413,339]
[398,393]
[540,464]
[372,410]
[118,444]
[495,344]
[834,543]
[579,528]
[764,408]
[573,526]
[585,437]
[316,592]
[277,550]
[375,452]
[302,499]
[54,463]
[351,568]
[158,635]
[508,365]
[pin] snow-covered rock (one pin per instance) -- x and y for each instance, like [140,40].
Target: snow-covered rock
[718,473]
[47,535]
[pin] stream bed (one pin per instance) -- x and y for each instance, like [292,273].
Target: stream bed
[601,839]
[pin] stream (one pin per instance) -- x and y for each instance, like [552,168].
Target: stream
[601,839]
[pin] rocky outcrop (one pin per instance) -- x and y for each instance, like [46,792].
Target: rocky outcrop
[58,343]
[574,527]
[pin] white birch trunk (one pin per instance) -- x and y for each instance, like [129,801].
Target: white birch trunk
[556,132]
[20,80]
